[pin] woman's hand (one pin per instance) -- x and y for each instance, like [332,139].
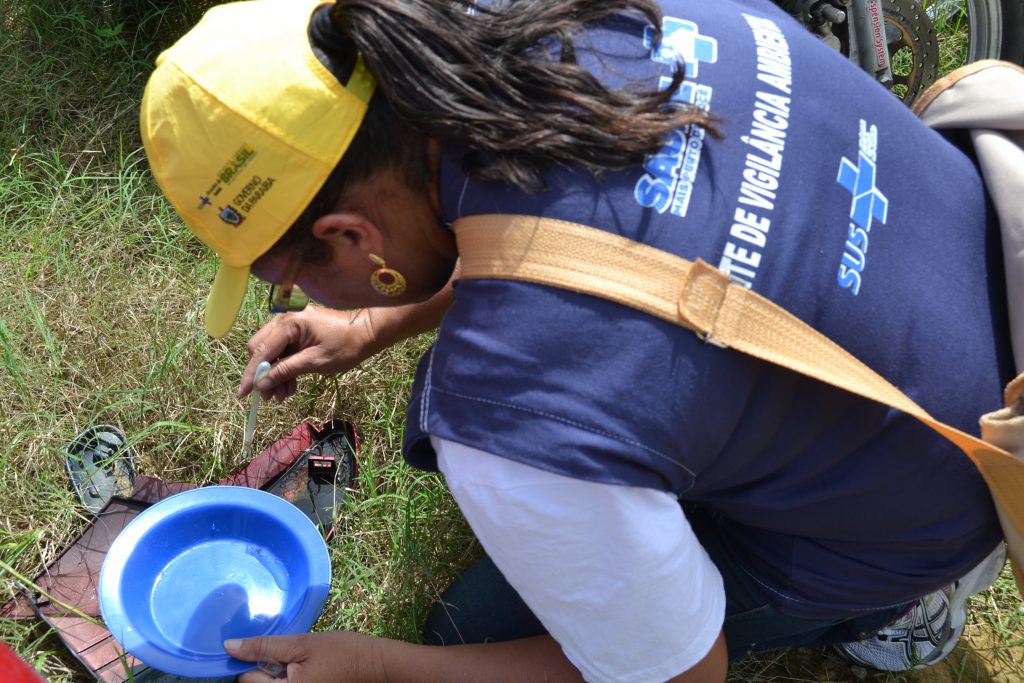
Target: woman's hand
[327,657]
[313,340]
[327,341]
[346,657]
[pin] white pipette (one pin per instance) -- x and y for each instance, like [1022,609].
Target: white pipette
[250,426]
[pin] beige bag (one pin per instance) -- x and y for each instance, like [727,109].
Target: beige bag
[987,99]
[701,298]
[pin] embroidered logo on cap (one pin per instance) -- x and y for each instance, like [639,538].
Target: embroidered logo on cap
[230,215]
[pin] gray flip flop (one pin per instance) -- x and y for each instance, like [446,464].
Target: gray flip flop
[100,465]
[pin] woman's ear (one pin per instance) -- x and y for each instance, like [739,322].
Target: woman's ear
[349,233]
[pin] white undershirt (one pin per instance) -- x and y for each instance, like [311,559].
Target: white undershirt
[614,573]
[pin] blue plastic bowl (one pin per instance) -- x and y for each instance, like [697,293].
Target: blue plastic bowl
[210,564]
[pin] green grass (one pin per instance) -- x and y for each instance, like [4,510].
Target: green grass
[100,322]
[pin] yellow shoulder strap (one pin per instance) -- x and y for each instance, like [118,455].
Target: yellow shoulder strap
[701,298]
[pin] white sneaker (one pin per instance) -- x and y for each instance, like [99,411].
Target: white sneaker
[931,628]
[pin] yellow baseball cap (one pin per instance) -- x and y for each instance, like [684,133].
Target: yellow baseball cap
[242,125]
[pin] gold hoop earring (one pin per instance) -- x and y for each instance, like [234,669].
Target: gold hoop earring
[387,281]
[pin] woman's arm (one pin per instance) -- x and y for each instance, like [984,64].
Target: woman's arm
[390,325]
[344,657]
[615,573]
[326,341]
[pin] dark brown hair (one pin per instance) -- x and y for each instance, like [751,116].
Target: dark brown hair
[500,81]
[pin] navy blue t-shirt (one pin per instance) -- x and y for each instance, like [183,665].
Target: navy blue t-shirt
[824,194]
